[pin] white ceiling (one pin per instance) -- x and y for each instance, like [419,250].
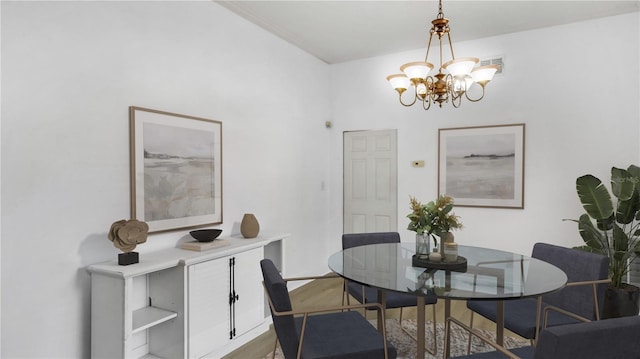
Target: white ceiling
[338,31]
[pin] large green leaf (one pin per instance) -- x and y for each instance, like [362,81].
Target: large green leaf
[627,210]
[620,239]
[590,235]
[606,224]
[623,184]
[635,174]
[594,197]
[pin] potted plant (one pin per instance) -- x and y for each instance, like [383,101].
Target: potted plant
[433,219]
[616,232]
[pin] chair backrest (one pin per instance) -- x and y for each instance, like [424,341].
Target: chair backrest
[279,295]
[579,266]
[609,338]
[361,239]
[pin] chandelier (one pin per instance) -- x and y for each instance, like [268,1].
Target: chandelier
[454,77]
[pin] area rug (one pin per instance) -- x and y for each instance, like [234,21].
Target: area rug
[406,346]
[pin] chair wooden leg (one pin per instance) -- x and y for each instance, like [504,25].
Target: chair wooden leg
[435,332]
[364,300]
[275,347]
[345,292]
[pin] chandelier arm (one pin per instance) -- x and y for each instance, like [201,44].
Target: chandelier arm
[415,97]
[428,46]
[451,92]
[456,96]
[459,101]
[428,101]
[475,100]
[431,85]
[453,57]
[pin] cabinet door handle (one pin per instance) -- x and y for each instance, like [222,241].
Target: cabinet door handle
[233,297]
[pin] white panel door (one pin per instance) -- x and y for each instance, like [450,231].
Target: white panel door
[370,181]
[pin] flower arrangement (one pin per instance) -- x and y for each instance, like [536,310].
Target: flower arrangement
[434,218]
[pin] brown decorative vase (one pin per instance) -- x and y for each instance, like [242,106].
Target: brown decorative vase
[249,227]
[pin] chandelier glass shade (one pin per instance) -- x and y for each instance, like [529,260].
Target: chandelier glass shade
[453,79]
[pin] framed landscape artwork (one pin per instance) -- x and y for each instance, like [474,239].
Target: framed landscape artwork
[176,169]
[482,166]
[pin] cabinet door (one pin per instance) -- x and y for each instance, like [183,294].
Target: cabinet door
[208,299]
[213,322]
[249,307]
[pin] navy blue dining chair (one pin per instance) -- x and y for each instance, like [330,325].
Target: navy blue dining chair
[587,278]
[332,332]
[608,338]
[364,294]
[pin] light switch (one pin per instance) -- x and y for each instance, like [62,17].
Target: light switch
[417,163]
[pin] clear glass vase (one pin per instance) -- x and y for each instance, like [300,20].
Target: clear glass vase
[423,245]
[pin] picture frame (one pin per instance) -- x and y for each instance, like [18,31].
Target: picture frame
[482,166]
[176,169]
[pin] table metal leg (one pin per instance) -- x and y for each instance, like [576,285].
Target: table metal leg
[382,299]
[500,322]
[420,322]
[447,314]
[447,309]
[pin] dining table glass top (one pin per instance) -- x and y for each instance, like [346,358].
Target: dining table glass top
[490,273]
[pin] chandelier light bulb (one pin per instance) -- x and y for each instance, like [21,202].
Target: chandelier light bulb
[421,90]
[462,83]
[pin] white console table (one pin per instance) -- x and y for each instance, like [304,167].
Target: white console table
[177,303]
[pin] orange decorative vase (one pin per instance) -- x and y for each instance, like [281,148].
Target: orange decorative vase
[249,227]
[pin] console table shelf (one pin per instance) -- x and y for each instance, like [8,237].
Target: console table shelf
[147,317]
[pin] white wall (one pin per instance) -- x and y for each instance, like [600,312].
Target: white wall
[576,87]
[71,69]
[69,72]
[0,186]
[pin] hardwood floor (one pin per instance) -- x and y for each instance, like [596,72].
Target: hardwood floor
[326,292]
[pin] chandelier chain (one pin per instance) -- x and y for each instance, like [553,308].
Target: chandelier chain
[440,13]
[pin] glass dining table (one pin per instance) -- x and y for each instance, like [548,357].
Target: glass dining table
[489,275]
